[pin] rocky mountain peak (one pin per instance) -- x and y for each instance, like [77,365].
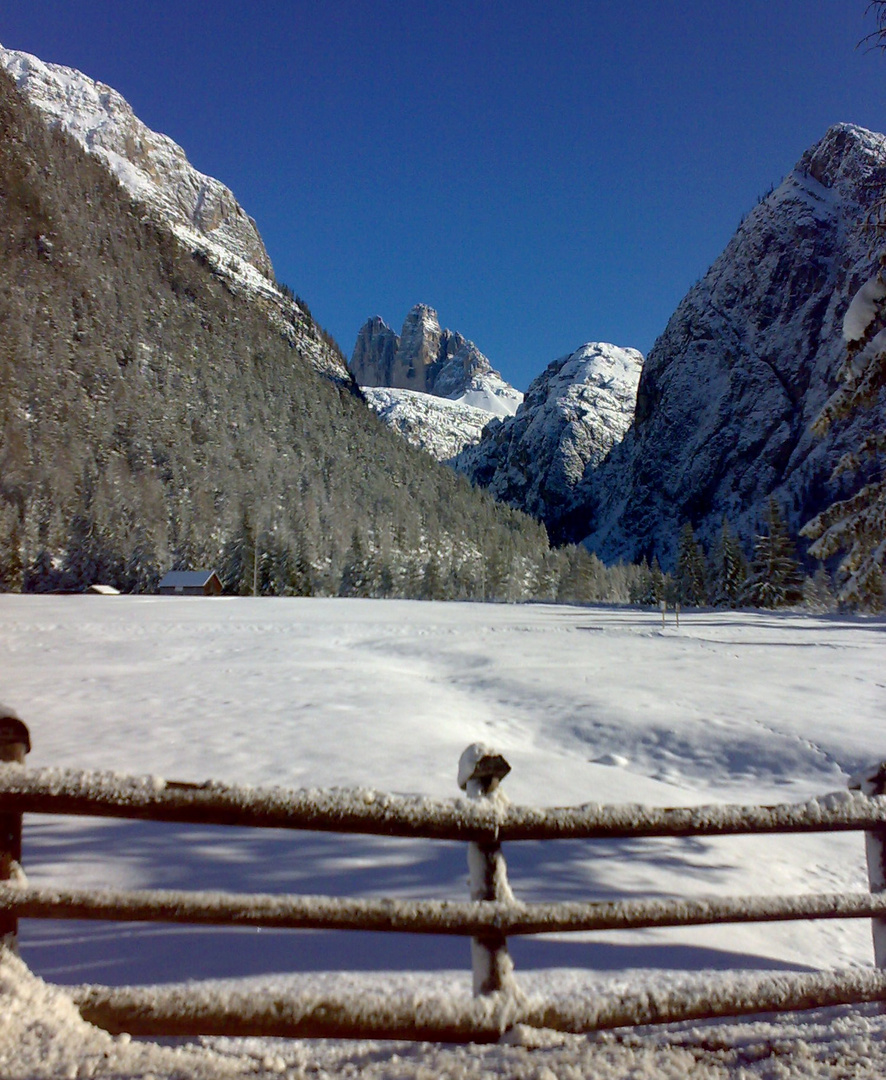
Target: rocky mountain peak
[375,353]
[573,415]
[430,360]
[844,157]
[424,357]
[152,167]
[730,390]
[422,346]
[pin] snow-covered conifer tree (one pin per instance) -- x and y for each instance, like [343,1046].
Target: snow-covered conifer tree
[818,594]
[356,575]
[690,575]
[652,584]
[774,577]
[857,525]
[728,569]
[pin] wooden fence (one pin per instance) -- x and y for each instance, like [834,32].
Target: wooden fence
[483,820]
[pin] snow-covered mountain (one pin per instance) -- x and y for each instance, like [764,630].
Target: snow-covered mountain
[201,211]
[430,360]
[436,425]
[730,390]
[572,416]
[149,165]
[424,360]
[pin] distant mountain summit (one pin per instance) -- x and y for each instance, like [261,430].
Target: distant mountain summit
[430,360]
[730,390]
[423,360]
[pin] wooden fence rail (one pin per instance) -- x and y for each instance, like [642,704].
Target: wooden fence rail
[374,813]
[446,917]
[483,820]
[182,1010]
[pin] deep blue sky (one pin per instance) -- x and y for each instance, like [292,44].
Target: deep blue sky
[542,173]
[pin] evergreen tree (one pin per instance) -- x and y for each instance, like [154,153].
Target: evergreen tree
[577,578]
[356,575]
[651,585]
[639,586]
[547,578]
[690,575]
[729,569]
[299,580]
[237,566]
[432,580]
[497,578]
[818,593]
[11,562]
[774,577]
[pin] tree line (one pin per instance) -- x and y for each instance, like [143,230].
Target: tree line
[723,576]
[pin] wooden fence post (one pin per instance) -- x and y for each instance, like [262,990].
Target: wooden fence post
[873,782]
[15,742]
[480,771]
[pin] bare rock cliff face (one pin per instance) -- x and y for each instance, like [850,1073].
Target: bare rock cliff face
[375,354]
[730,389]
[430,360]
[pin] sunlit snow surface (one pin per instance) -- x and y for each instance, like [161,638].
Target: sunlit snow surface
[586,704]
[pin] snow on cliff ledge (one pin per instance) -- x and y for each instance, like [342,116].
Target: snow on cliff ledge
[151,167]
[440,427]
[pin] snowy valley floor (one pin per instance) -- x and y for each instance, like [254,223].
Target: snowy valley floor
[587,704]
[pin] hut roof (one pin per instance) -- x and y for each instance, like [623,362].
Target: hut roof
[185,579]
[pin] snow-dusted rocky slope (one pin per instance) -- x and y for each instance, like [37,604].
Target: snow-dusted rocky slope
[429,363]
[730,390]
[201,211]
[572,416]
[441,427]
[149,165]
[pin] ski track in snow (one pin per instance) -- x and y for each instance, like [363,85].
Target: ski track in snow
[587,704]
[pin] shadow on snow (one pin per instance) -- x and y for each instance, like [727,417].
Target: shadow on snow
[102,854]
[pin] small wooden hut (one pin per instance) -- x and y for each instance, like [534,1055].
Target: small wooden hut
[190,583]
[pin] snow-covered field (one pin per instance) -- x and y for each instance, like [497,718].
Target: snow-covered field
[587,704]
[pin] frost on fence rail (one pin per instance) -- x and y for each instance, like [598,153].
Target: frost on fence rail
[451,917]
[362,810]
[354,810]
[200,1010]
